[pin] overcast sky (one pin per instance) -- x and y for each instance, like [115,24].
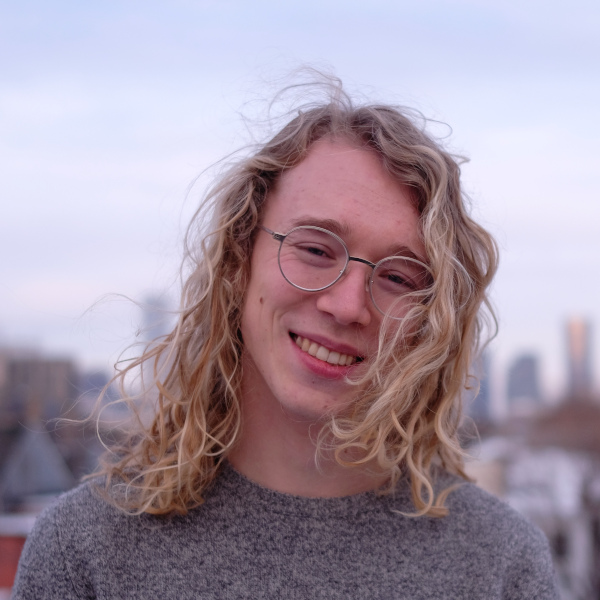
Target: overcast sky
[109,110]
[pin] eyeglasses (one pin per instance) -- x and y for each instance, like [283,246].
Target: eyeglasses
[313,259]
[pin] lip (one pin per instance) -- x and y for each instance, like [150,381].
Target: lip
[319,367]
[340,347]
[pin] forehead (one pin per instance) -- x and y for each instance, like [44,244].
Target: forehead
[347,189]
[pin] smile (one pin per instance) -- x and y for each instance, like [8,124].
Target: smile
[325,354]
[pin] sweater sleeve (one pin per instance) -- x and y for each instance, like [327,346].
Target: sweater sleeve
[43,572]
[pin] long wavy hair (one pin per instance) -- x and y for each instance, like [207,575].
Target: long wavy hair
[407,415]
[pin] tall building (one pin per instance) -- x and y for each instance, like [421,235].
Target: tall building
[479,401]
[523,387]
[579,358]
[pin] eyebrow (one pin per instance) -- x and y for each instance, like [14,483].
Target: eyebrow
[343,231]
[329,224]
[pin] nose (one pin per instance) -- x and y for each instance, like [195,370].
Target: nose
[347,300]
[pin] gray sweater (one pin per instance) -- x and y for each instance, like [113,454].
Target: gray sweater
[246,541]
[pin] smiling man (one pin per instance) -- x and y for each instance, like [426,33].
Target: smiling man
[305,439]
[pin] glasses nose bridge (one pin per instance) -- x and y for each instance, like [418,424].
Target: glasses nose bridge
[364,261]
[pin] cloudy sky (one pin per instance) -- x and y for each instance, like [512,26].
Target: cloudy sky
[109,110]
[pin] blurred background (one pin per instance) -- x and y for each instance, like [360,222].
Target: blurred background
[110,111]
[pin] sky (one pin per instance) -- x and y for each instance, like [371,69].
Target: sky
[110,111]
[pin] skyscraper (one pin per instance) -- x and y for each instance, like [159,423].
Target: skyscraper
[523,387]
[478,400]
[579,359]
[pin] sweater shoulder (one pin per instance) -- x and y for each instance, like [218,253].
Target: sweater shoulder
[84,506]
[479,514]
[82,520]
[53,561]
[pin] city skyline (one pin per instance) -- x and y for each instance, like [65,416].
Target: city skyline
[508,389]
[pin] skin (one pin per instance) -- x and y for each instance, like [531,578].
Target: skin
[287,394]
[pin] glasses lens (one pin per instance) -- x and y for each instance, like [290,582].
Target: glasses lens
[311,258]
[398,283]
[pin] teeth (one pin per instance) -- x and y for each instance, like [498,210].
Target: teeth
[323,353]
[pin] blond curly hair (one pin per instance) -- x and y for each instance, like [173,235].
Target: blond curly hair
[407,415]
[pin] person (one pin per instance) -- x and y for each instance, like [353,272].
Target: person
[307,406]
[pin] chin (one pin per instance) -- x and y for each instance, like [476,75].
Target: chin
[313,410]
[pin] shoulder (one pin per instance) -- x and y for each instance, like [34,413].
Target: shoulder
[84,498]
[83,543]
[81,525]
[475,520]
[77,517]
[52,564]
[497,539]
[477,512]
[81,510]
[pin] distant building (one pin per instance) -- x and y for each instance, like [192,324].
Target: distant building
[523,387]
[34,471]
[40,453]
[579,358]
[479,401]
[32,385]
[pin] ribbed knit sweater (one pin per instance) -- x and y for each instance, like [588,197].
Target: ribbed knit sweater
[246,541]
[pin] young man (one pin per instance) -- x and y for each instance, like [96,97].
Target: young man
[307,403]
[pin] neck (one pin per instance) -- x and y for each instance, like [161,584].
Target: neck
[279,452]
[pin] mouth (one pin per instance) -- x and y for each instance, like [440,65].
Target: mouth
[323,353]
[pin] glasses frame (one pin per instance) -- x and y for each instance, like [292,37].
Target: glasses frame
[280,237]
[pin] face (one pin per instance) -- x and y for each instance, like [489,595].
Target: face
[297,345]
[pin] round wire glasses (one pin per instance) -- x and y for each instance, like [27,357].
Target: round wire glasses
[313,259]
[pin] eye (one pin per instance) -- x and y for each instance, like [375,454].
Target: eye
[395,281]
[318,251]
[399,279]
[313,247]
[397,275]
